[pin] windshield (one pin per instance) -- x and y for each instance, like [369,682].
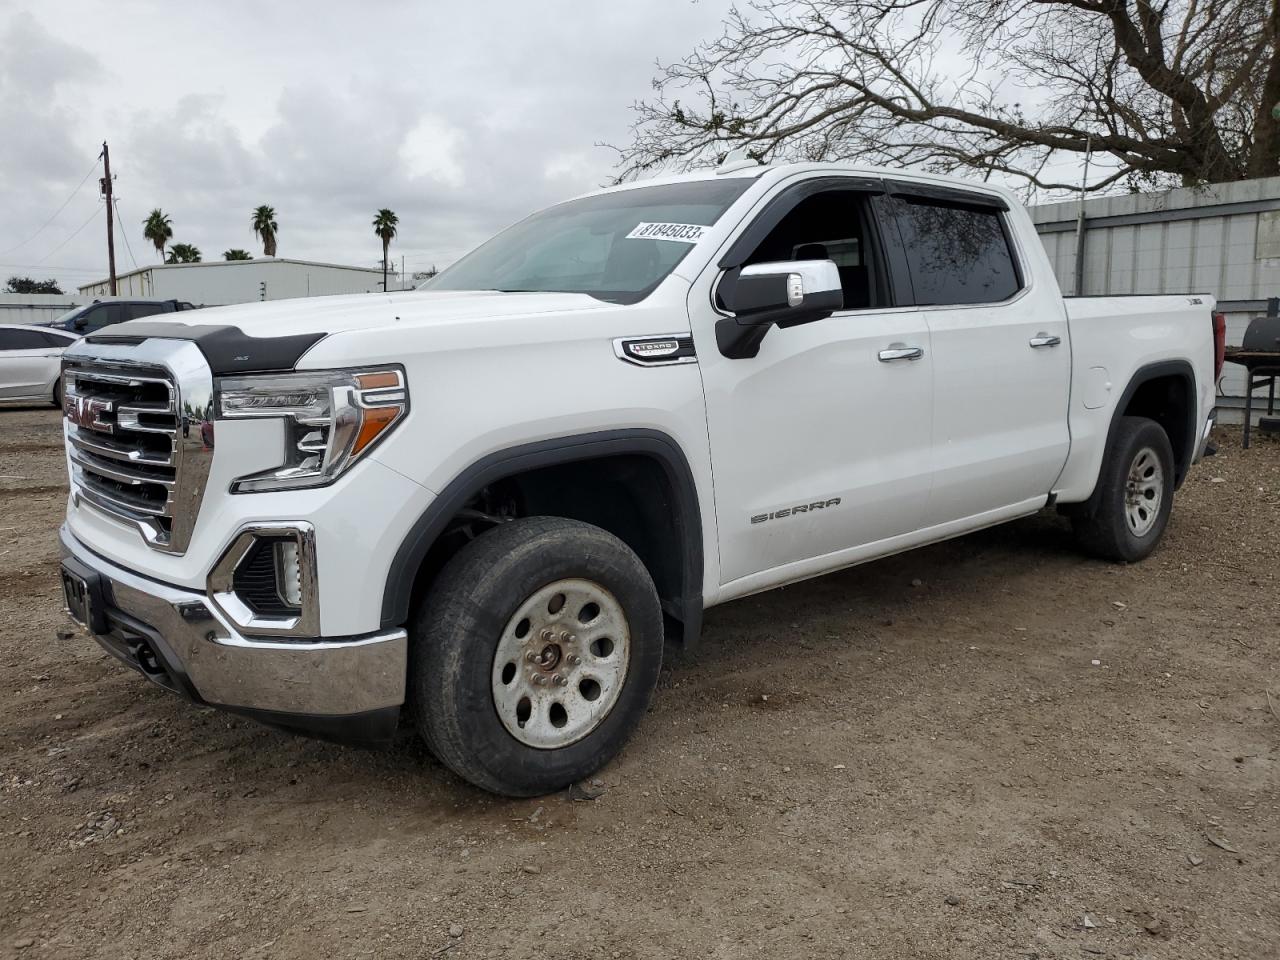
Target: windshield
[613,246]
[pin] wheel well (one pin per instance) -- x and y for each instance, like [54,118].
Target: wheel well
[1167,399]
[638,497]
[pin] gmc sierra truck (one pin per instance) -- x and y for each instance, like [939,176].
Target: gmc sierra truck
[482,507]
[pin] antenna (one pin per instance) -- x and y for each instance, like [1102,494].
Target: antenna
[737,159]
[1084,182]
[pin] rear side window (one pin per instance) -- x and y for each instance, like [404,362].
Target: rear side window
[134,311]
[957,254]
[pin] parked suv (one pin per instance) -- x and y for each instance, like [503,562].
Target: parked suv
[104,313]
[492,500]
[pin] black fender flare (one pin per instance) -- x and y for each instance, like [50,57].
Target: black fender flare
[1145,374]
[654,444]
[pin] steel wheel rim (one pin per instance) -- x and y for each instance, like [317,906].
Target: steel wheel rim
[561,663]
[1144,492]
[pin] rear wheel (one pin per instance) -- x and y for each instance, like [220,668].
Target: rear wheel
[1129,510]
[535,654]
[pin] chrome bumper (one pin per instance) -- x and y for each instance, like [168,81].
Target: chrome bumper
[1205,430]
[300,684]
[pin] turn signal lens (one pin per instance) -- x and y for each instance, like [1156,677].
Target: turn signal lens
[376,421]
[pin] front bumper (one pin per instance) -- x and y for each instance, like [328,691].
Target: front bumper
[348,689]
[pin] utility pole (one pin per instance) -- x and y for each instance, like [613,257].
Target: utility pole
[111,233]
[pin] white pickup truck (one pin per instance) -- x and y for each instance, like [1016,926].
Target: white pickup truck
[482,507]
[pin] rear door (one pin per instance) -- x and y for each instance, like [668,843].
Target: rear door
[1001,356]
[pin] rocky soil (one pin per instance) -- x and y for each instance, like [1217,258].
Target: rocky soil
[990,748]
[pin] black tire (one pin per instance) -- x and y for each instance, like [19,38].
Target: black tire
[1105,528]
[455,635]
[57,393]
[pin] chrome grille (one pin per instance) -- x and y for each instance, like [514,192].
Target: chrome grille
[122,429]
[138,447]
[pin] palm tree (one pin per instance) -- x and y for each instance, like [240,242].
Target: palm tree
[266,228]
[384,226]
[183,253]
[235,253]
[158,229]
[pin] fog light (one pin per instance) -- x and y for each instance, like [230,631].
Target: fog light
[265,581]
[288,572]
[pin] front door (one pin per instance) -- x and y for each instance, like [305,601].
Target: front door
[820,443]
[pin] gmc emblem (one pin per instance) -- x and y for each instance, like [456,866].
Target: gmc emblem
[86,412]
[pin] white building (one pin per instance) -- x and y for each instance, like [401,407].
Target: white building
[1222,239]
[36,307]
[220,282]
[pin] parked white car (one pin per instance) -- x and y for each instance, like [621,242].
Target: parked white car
[31,362]
[494,499]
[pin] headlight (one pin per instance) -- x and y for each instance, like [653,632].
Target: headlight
[331,418]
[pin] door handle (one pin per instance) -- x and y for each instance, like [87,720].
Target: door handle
[1044,340]
[900,351]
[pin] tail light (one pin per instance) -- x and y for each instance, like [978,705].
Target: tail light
[1219,343]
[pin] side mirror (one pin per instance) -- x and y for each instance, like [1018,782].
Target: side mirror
[786,293]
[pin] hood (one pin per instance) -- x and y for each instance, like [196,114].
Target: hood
[261,337]
[328,315]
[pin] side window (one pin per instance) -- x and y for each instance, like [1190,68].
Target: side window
[136,310]
[107,314]
[54,340]
[21,340]
[833,225]
[957,254]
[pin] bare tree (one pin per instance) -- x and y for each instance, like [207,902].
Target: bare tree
[1175,92]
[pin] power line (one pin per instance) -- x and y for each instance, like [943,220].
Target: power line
[92,216]
[125,233]
[52,266]
[55,213]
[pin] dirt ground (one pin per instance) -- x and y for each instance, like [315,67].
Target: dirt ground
[989,748]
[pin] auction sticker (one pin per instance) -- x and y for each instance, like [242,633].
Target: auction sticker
[679,232]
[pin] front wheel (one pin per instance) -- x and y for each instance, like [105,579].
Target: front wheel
[535,654]
[1129,510]
[57,393]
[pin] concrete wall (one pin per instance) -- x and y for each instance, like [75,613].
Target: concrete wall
[220,282]
[1222,240]
[36,307]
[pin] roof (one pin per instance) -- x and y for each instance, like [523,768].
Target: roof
[780,170]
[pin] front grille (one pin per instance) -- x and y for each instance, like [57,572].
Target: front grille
[122,432]
[140,434]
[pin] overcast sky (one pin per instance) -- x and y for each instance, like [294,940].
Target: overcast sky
[461,117]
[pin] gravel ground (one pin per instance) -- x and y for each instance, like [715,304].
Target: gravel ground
[988,748]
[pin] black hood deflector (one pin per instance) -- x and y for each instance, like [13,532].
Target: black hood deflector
[227,349]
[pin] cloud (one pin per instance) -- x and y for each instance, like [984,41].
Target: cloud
[462,119]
